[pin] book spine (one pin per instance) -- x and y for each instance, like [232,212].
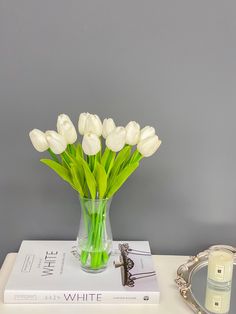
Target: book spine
[80,297]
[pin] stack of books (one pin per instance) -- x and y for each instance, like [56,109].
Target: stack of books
[49,272]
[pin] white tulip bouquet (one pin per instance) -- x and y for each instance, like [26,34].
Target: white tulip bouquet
[95,168]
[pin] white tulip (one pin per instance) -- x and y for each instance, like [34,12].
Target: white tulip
[132,133]
[93,125]
[107,127]
[38,139]
[146,132]
[56,142]
[66,128]
[82,120]
[91,144]
[116,139]
[149,146]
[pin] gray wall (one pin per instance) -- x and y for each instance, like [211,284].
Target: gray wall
[170,64]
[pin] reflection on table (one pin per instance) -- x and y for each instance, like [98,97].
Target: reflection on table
[204,293]
[217,300]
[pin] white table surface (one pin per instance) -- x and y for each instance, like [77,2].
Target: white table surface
[170,302]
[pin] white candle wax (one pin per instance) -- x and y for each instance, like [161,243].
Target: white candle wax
[220,266]
[217,301]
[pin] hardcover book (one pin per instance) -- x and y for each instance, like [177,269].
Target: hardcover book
[49,272]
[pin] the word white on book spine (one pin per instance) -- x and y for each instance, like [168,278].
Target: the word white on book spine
[84,297]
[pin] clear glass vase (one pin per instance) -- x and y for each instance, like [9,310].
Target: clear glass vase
[94,240]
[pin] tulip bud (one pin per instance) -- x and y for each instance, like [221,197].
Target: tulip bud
[82,120]
[146,132]
[56,142]
[132,133]
[116,139]
[149,146]
[38,139]
[66,128]
[93,125]
[91,144]
[107,127]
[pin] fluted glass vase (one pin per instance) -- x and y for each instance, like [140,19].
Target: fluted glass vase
[94,240]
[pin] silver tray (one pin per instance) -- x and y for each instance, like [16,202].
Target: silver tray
[192,279]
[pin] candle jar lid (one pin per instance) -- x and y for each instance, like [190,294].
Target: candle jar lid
[221,250]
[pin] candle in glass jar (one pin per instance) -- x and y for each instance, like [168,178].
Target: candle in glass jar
[220,266]
[217,300]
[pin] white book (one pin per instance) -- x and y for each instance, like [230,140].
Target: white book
[48,272]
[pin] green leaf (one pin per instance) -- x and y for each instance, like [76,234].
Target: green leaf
[80,170]
[85,189]
[110,162]
[53,155]
[59,169]
[90,180]
[79,151]
[65,160]
[121,178]
[105,156]
[101,178]
[76,180]
[78,164]
[121,158]
[91,162]
[64,164]
[135,157]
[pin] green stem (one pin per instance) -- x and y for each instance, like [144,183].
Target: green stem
[72,149]
[89,162]
[84,252]
[68,148]
[88,221]
[98,234]
[84,216]
[95,232]
[99,154]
